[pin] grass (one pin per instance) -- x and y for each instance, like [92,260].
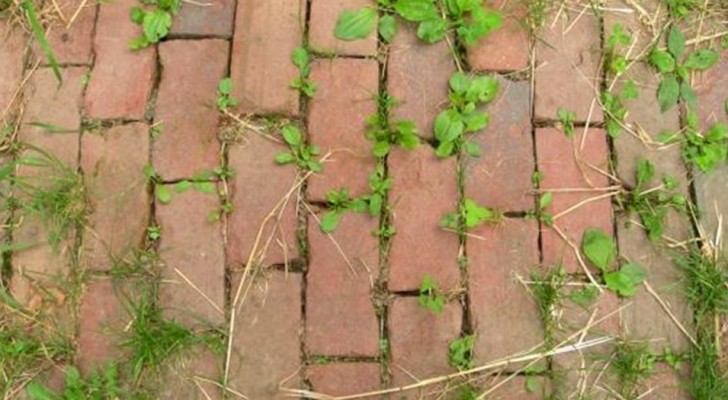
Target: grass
[632,363]
[546,292]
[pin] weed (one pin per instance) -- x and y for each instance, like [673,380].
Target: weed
[567,119]
[705,150]
[616,64]
[460,353]
[675,69]
[301,154]
[430,296]
[546,291]
[632,363]
[601,251]
[384,133]
[225,99]
[154,233]
[339,202]
[584,296]
[40,36]
[543,203]
[100,385]
[302,83]
[680,8]
[155,131]
[469,216]
[155,20]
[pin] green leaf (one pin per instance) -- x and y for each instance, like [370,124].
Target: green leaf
[645,172]
[482,23]
[416,10]
[476,121]
[381,149]
[387,28]
[156,25]
[545,200]
[291,135]
[164,194]
[182,186]
[42,39]
[598,248]
[701,60]
[139,43]
[473,149]
[624,282]
[329,221]
[285,158]
[432,30]
[36,391]
[688,94]
[356,24]
[448,126]
[445,149]
[300,57]
[483,89]
[225,86]
[136,15]
[676,42]
[459,82]
[662,60]
[204,187]
[532,384]
[629,92]
[668,92]
[584,297]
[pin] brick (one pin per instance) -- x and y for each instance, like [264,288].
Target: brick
[12,45]
[645,318]
[186,106]
[569,163]
[498,301]
[337,114]
[422,92]
[257,187]
[262,74]
[567,66]
[341,379]
[71,45]
[266,346]
[666,383]
[420,340]
[710,87]
[48,103]
[324,14]
[515,388]
[340,316]
[180,381]
[193,245]
[121,81]
[117,192]
[102,318]
[501,177]
[507,48]
[215,18]
[424,190]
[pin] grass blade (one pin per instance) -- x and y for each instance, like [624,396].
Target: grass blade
[42,39]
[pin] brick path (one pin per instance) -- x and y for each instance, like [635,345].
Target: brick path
[339,313]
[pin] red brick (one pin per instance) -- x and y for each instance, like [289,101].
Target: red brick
[566,164]
[424,191]
[506,49]
[71,45]
[117,192]
[193,245]
[420,340]
[181,377]
[645,318]
[262,73]
[343,101]
[47,103]
[501,177]
[421,91]
[102,318]
[121,80]
[257,187]
[213,18]
[340,317]
[186,106]
[567,66]
[343,379]
[498,301]
[710,87]
[324,14]
[666,383]
[12,44]
[266,345]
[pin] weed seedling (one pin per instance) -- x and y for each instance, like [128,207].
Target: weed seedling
[155,19]
[339,202]
[705,150]
[225,99]
[546,291]
[566,118]
[600,250]
[470,215]
[384,133]
[302,83]
[430,297]
[632,363]
[100,385]
[460,355]
[542,214]
[301,153]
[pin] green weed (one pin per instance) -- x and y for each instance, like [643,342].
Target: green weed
[155,19]
[302,60]
[566,118]
[225,97]
[40,36]
[460,353]
[301,154]
[706,150]
[339,202]
[470,215]
[430,296]
[385,133]
[632,363]
[616,64]
[546,291]
[100,385]
[600,250]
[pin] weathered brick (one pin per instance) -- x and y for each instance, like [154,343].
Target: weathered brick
[421,91]
[501,177]
[344,99]
[121,81]
[48,103]
[193,245]
[340,317]
[568,164]
[71,45]
[262,73]
[667,383]
[266,346]
[12,42]
[498,301]
[186,106]
[506,49]
[102,318]
[420,341]
[424,191]
[181,377]
[341,379]
[117,192]
[257,187]
[214,18]
[567,66]
[645,318]
[324,14]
